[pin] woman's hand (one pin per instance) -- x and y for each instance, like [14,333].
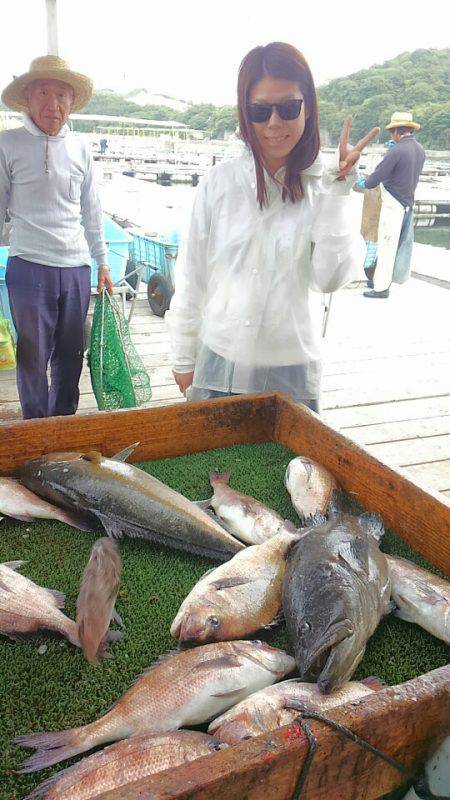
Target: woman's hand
[348,155]
[183,380]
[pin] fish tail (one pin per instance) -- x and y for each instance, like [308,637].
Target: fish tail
[53,747]
[214,477]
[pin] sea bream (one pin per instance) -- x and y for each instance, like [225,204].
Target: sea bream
[96,600]
[26,607]
[311,487]
[127,500]
[182,689]
[123,763]
[246,518]
[20,503]
[237,598]
[335,591]
[420,597]
[269,709]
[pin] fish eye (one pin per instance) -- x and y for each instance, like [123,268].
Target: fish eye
[214,622]
[305,627]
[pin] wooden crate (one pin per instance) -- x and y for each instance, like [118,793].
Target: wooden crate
[403,721]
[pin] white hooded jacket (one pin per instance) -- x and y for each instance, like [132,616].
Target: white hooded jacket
[244,277]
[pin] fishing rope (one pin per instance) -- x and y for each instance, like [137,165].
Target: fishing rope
[343,731]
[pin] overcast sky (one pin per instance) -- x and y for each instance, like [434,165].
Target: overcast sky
[191,49]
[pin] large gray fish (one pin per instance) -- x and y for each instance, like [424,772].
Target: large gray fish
[335,591]
[420,597]
[269,708]
[18,502]
[247,519]
[183,689]
[96,600]
[127,500]
[311,487]
[123,763]
[237,598]
[26,607]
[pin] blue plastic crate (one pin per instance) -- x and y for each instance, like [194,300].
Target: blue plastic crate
[156,254]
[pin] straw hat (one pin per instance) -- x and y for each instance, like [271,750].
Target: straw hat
[402,119]
[47,67]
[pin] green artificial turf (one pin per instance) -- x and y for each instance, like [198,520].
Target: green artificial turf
[59,689]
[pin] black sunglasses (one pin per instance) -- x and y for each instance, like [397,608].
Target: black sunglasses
[262,112]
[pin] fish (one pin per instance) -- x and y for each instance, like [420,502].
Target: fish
[127,500]
[335,590]
[123,763]
[20,503]
[310,486]
[96,600]
[246,518]
[182,689]
[420,597]
[269,709]
[237,598]
[26,607]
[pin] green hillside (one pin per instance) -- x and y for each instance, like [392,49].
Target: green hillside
[417,82]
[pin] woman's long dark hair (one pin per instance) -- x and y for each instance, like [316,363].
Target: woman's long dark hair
[282,62]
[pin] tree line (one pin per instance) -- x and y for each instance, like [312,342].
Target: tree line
[417,82]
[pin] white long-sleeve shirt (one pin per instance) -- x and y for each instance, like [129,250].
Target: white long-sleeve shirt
[244,277]
[48,187]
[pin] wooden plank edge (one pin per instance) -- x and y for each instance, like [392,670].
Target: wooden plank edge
[404,722]
[248,419]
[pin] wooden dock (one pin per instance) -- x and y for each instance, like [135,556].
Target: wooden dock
[386,376]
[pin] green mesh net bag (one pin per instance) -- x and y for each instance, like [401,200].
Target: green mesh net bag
[119,378]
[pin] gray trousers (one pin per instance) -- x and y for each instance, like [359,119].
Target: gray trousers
[49,307]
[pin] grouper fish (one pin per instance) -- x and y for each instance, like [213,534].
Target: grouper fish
[128,501]
[335,590]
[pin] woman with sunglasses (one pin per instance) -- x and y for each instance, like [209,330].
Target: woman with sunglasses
[266,229]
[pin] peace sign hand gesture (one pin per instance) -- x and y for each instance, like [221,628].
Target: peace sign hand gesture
[348,155]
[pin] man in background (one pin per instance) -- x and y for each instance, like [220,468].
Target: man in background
[47,186]
[398,173]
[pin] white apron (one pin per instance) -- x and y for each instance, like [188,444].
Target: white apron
[389,228]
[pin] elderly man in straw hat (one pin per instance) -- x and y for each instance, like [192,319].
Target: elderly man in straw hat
[47,185]
[398,175]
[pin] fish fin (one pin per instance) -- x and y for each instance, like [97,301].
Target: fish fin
[22,517]
[113,636]
[113,530]
[315,520]
[374,683]
[13,564]
[19,638]
[79,521]
[356,554]
[276,621]
[215,477]
[391,607]
[117,618]
[338,502]
[228,661]
[230,693]
[50,747]
[228,583]
[289,527]
[203,504]
[93,455]
[59,598]
[372,524]
[124,454]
